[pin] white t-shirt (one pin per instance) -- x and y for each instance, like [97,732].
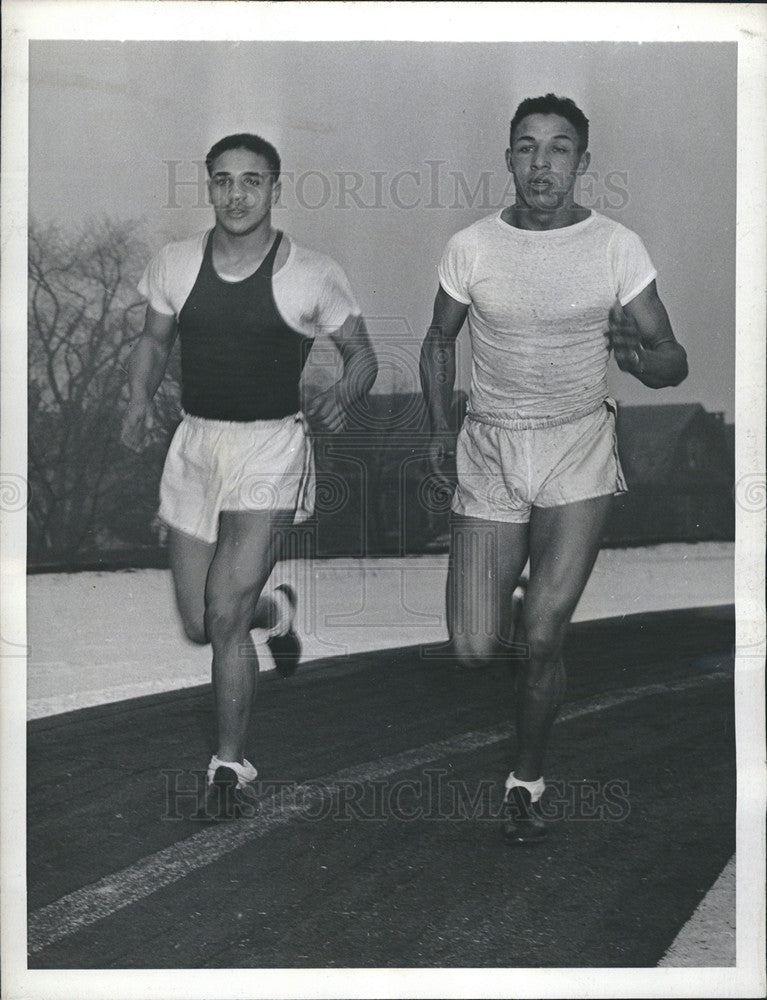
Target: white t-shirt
[311,290]
[538,311]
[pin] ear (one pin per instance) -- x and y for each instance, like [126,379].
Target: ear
[276,191]
[584,162]
[508,160]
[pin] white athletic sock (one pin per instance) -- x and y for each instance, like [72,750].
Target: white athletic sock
[536,788]
[245,772]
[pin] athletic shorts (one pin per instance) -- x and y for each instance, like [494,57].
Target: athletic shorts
[216,465]
[505,471]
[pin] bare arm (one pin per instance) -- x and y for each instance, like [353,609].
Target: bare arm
[329,408]
[644,343]
[146,368]
[437,367]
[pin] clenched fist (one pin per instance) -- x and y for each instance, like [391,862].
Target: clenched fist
[440,460]
[624,340]
[137,421]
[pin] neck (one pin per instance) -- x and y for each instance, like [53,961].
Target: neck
[243,246]
[522,216]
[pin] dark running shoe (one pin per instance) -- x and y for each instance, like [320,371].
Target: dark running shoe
[286,649]
[522,823]
[229,793]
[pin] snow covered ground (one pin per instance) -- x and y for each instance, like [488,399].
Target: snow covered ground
[96,638]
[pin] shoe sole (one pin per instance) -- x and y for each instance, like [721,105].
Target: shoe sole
[286,649]
[523,826]
[223,801]
[285,659]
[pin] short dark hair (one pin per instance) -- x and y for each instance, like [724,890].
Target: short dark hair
[550,104]
[245,140]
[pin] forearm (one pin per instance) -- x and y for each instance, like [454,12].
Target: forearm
[146,367]
[662,366]
[359,374]
[437,371]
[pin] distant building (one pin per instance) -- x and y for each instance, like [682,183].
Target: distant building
[374,495]
[680,472]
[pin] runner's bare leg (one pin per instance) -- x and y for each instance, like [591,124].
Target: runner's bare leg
[564,544]
[486,559]
[190,560]
[247,549]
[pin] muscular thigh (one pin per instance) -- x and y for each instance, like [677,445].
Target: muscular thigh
[486,560]
[564,544]
[245,554]
[190,560]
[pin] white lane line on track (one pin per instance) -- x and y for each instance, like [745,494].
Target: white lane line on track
[101,899]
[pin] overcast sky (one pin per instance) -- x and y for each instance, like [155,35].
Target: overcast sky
[389,148]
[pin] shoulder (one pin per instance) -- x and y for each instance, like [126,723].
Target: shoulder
[180,251]
[473,235]
[312,292]
[171,273]
[174,260]
[614,233]
[310,263]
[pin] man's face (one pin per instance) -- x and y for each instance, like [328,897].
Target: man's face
[545,161]
[242,190]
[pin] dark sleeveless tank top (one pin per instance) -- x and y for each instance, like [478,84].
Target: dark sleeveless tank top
[240,360]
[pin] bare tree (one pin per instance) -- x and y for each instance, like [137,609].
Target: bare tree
[84,316]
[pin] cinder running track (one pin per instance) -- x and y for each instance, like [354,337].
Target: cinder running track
[376,843]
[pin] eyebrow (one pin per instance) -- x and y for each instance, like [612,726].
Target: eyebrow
[245,173]
[531,138]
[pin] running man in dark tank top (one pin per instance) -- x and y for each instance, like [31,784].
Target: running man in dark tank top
[247,304]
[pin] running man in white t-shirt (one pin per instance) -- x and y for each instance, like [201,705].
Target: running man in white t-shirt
[549,288]
[247,304]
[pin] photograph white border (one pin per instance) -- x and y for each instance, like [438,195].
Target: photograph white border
[745,24]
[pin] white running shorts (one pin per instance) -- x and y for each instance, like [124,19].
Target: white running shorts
[505,471]
[216,465]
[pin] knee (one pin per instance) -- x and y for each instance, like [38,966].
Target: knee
[193,624]
[195,632]
[227,619]
[544,639]
[543,648]
[473,652]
